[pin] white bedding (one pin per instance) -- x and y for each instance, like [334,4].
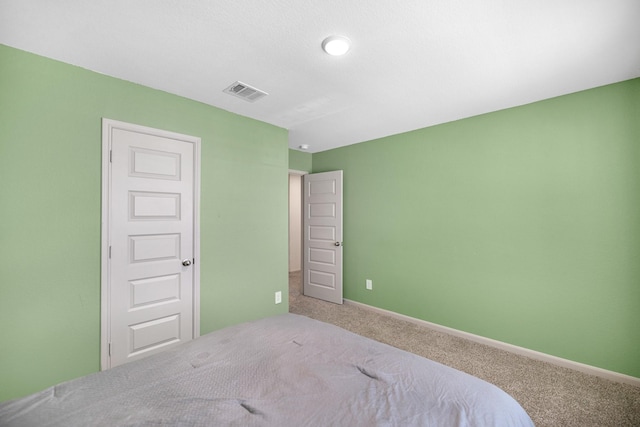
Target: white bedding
[286,370]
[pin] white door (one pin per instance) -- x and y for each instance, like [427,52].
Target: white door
[151,290]
[322,263]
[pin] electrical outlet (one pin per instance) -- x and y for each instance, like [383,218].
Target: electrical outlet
[278,297]
[369,284]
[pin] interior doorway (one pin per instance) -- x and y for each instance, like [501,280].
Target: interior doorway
[295,220]
[315,234]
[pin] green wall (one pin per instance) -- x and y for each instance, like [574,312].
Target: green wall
[299,160]
[521,225]
[50,167]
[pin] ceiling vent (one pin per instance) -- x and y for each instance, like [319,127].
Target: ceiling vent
[246,92]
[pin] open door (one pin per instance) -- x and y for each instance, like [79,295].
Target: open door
[322,246]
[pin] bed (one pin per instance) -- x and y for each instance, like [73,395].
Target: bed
[286,370]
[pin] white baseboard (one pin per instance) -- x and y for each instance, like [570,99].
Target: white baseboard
[577,366]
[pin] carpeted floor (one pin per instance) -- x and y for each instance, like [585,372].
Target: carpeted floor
[552,395]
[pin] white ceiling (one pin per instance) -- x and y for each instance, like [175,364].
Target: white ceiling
[413,63]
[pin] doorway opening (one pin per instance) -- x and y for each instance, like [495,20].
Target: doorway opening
[315,241]
[295,227]
[295,220]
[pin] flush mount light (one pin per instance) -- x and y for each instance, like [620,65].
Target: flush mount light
[336,45]
[304,146]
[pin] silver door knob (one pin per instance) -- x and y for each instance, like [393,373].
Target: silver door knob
[186,262]
[337,244]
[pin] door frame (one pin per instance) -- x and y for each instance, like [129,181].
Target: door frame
[107,126]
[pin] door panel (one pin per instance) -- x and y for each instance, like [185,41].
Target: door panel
[322,263]
[155,247]
[153,335]
[154,164]
[154,290]
[322,256]
[147,206]
[150,293]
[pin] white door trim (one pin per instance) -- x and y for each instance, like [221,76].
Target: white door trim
[297,172]
[107,126]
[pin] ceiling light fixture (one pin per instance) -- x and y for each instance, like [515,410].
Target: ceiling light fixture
[336,45]
[304,147]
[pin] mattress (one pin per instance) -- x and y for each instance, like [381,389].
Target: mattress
[286,370]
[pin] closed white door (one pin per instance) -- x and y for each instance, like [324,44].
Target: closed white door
[322,263]
[151,295]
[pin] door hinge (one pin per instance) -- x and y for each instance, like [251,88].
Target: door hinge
[110,156]
[109,252]
[109,350]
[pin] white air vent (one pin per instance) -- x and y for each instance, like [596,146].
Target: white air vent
[246,92]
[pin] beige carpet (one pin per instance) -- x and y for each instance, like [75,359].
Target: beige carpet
[553,396]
